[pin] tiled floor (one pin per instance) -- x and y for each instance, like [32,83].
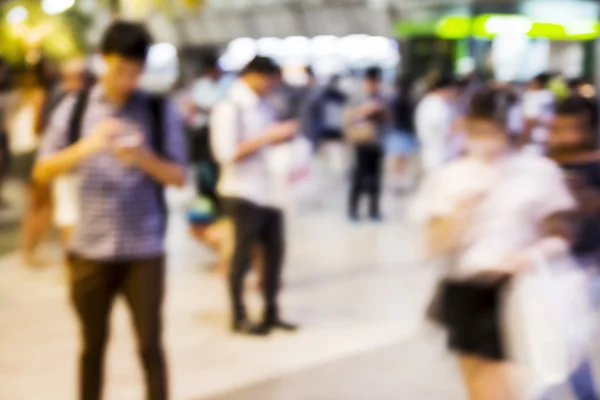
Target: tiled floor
[357,290]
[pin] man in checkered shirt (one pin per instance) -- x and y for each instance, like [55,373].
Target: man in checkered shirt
[117,247]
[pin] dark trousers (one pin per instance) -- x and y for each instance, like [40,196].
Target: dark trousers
[94,288]
[256,225]
[366,178]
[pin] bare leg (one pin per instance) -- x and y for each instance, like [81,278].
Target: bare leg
[36,222]
[400,167]
[487,380]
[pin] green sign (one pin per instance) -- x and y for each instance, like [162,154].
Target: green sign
[491,25]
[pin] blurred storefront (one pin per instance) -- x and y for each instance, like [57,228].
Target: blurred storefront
[510,40]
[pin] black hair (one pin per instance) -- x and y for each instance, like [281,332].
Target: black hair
[373,74]
[542,79]
[573,105]
[262,65]
[129,40]
[210,62]
[489,104]
[574,83]
[577,106]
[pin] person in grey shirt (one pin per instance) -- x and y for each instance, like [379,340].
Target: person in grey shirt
[118,246]
[368,155]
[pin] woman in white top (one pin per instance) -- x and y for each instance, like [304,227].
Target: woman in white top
[486,213]
[23,123]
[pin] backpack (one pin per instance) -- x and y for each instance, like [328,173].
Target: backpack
[156,107]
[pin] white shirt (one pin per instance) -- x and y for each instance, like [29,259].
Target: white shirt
[519,194]
[240,117]
[539,105]
[66,200]
[433,119]
[515,122]
[21,130]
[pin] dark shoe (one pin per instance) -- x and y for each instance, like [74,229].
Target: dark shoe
[245,327]
[281,325]
[376,218]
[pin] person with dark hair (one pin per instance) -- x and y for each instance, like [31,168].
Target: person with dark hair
[572,145]
[126,146]
[489,214]
[245,130]
[401,142]
[434,119]
[538,108]
[305,103]
[586,91]
[22,125]
[210,88]
[327,124]
[366,125]
[205,217]
[328,111]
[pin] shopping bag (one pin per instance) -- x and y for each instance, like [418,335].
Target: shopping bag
[292,168]
[549,322]
[362,132]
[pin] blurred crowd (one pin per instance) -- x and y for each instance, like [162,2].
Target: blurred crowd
[508,173]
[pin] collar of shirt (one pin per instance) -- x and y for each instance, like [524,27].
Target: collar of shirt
[98,95]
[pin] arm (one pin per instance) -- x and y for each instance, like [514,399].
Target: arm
[224,135]
[556,228]
[168,170]
[48,168]
[56,157]
[161,170]
[362,112]
[441,236]
[444,232]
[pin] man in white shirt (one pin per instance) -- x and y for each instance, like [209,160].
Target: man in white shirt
[538,109]
[244,129]
[434,118]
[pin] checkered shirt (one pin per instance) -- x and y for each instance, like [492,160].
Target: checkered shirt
[121,214]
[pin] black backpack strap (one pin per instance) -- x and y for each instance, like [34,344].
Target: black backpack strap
[156,107]
[76,121]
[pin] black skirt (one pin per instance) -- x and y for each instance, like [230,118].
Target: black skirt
[472,313]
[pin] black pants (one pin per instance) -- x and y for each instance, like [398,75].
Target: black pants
[94,287]
[366,178]
[256,225]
